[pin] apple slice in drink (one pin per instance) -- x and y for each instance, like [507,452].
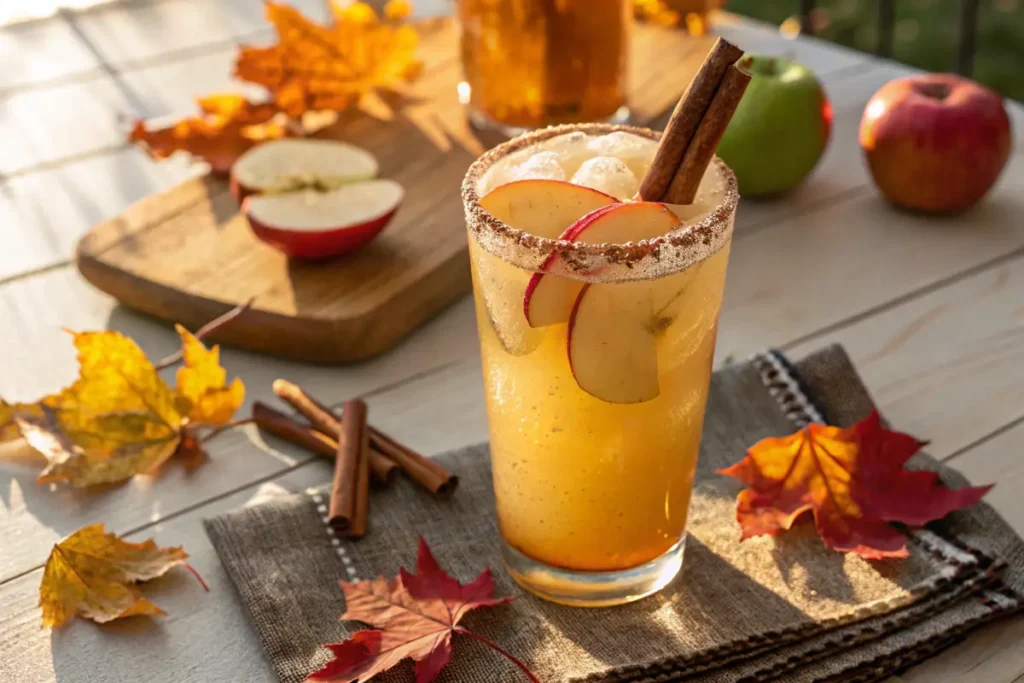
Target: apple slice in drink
[549,298]
[613,334]
[540,207]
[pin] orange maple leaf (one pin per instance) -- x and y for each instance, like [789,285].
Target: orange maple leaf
[226,127]
[315,67]
[852,479]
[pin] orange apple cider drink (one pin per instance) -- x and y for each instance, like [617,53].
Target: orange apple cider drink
[597,318]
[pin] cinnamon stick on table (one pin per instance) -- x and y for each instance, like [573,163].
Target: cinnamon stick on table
[350,490]
[383,470]
[420,469]
[696,126]
[323,420]
[292,431]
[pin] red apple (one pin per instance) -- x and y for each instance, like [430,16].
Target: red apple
[316,225]
[294,164]
[936,142]
[549,298]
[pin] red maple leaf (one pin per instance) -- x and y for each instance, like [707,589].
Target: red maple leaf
[852,479]
[414,616]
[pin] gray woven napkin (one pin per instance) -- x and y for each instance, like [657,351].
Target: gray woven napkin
[782,608]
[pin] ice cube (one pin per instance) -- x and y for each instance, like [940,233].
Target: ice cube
[540,165]
[571,149]
[635,151]
[608,175]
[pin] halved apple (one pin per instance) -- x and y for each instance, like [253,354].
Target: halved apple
[549,298]
[316,225]
[294,164]
[540,207]
[613,335]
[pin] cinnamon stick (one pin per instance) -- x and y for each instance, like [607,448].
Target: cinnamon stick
[683,188]
[350,490]
[292,431]
[420,469]
[383,469]
[686,118]
[424,471]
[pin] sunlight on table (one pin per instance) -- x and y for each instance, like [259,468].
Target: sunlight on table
[13,11]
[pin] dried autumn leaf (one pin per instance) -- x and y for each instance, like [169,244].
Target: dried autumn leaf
[315,67]
[414,616]
[204,383]
[8,412]
[852,479]
[228,125]
[120,418]
[92,574]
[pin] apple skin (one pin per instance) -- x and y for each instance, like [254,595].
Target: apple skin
[936,142]
[322,244]
[780,129]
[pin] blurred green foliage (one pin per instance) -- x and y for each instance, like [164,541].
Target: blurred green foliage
[926,33]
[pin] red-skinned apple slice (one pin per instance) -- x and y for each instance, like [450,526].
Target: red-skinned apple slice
[316,225]
[540,207]
[549,298]
[297,164]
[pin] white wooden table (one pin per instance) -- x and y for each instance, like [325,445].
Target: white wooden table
[931,310]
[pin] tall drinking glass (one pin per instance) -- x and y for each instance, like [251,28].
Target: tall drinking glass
[532,63]
[596,355]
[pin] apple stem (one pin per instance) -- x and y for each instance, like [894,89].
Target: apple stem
[494,646]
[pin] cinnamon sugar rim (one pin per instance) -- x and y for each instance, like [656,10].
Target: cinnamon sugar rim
[681,247]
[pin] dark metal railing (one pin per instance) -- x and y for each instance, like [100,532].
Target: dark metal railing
[887,19]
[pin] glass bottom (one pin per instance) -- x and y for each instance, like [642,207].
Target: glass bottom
[593,589]
[482,121]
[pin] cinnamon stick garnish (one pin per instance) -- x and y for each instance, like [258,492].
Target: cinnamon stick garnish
[684,127]
[383,470]
[420,469]
[698,155]
[323,420]
[350,490]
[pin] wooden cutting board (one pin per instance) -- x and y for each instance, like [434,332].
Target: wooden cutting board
[186,255]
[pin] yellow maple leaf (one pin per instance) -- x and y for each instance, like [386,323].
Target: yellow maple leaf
[8,413]
[92,574]
[120,418]
[314,67]
[204,383]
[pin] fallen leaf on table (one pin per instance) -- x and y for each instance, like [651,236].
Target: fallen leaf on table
[413,616]
[314,67]
[852,479]
[227,126]
[120,418]
[8,411]
[92,574]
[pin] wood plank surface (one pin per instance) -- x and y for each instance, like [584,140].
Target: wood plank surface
[930,311]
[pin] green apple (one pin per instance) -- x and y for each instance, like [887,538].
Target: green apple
[779,130]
